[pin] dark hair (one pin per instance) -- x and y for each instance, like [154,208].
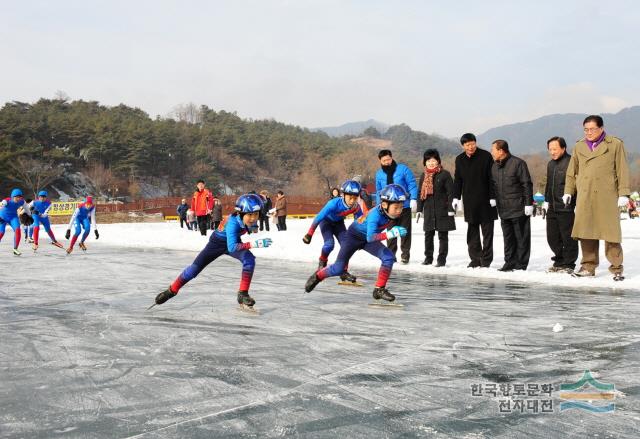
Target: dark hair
[431,154]
[200,181]
[384,153]
[560,140]
[280,193]
[467,137]
[594,118]
[502,145]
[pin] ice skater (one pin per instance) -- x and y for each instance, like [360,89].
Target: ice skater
[9,215]
[84,217]
[366,234]
[226,240]
[40,213]
[331,222]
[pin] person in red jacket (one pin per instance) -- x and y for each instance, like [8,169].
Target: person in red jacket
[202,204]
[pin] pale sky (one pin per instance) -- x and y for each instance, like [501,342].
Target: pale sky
[440,66]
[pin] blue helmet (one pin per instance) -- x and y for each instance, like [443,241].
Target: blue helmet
[394,193]
[249,203]
[43,194]
[351,187]
[16,193]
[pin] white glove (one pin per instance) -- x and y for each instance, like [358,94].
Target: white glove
[418,216]
[261,243]
[396,231]
[414,205]
[492,202]
[545,205]
[623,201]
[455,203]
[3,203]
[528,210]
[566,198]
[451,213]
[272,211]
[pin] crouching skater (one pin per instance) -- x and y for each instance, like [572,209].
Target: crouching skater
[366,234]
[226,241]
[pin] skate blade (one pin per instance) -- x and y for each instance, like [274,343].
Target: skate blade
[385,304]
[251,310]
[151,306]
[350,284]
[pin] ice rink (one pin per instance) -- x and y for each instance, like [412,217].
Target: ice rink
[81,357]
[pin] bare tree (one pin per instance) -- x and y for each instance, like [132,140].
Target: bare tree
[34,173]
[187,113]
[101,177]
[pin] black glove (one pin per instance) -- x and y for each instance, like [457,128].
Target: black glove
[97,234]
[68,234]
[307,239]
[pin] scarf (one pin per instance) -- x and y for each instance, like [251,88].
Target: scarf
[595,143]
[427,183]
[390,170]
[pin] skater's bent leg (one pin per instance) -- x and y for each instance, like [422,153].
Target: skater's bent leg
[86,224]
[15,225]
[209,254]
[386,257]
[329,243]
[248,265]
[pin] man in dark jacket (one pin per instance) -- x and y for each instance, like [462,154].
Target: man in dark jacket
[472,182]
[514,191]
[560,217]
[182,214]
[264,212]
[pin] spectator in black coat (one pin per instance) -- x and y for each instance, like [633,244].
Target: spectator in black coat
[473,183]
[514,191]
[264,212]
[182,214]
[434,204]
[216,214]
[560,217]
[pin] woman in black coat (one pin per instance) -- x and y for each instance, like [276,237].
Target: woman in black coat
[434,205]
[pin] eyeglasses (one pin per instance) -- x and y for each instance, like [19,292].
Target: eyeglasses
[592,130]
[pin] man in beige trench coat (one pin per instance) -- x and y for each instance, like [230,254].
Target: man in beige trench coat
[598,172]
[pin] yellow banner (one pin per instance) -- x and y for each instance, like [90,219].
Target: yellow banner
[63,208]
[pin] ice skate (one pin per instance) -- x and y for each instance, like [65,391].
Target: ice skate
[35,247]
[57,244]
[163,297]
[69,250]
[246,303]
[82,246]
[321,264]
[16,252]
[312,282]
[383,298]
[349,279]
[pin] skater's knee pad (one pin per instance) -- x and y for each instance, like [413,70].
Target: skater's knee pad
[248,261]
[387,258]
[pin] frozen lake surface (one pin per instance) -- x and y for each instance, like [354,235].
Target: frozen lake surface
[81,357]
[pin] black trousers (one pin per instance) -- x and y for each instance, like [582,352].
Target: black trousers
[405,242]
[264,223]
[563,246]
[443,246]
[282,225]
[183,220]
[481,254]
[215,224]
[203,224]
[517,242]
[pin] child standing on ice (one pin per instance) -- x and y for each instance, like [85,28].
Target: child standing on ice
[366,234]
[331,222]
[9,215]
[83,218]
[40,212]
[226,241]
